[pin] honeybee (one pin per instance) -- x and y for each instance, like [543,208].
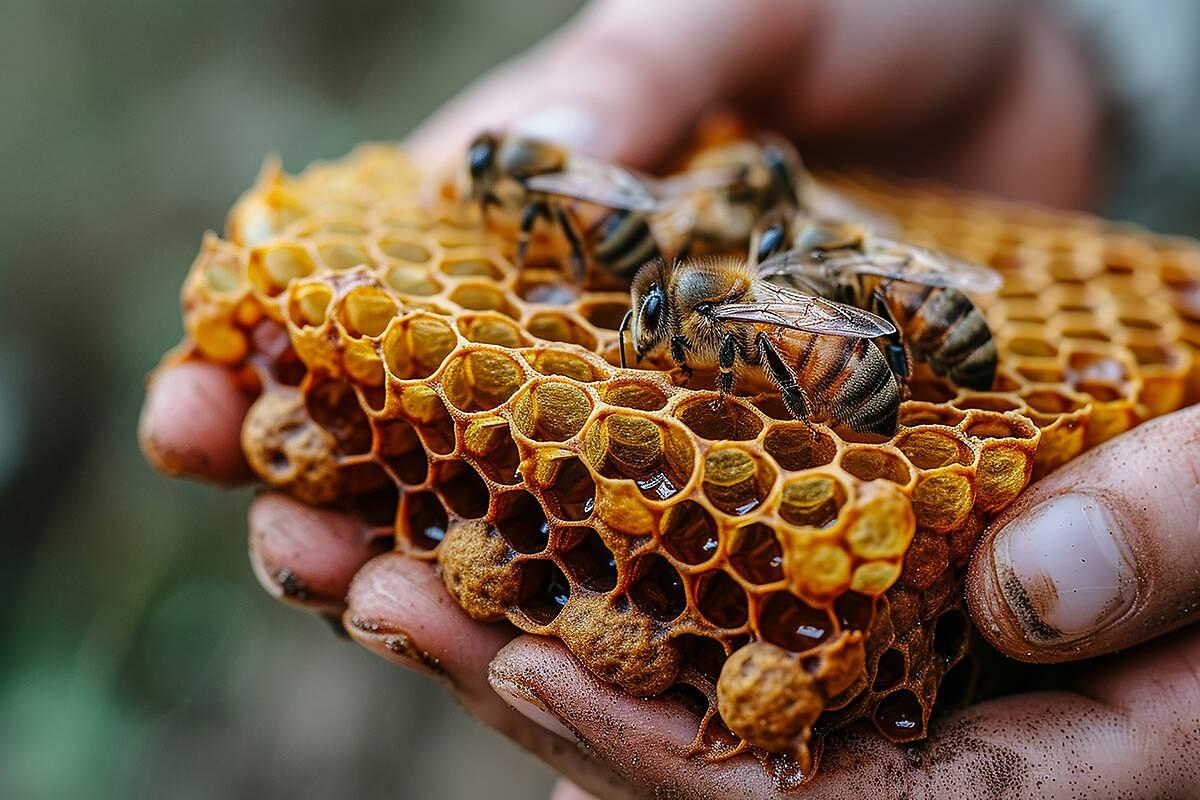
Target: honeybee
[715,312]
[770,182]
[638,218]
[920,292]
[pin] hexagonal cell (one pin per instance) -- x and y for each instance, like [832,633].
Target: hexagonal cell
[421,519]
[1041,373]
[735,480]
[1030,346]
[471,267]
[489,441]
[789,622]
[405,249]
[461,488]
[988,402]
[481,379]
[520,520]
[334,406]
[913,414]
[366,311]
[633,394]
[755,554]
[689,533]
[544,590]
[987,425]
[605,314]
[1148,355]
[415,347]
[574,365]
[930,448]
[711,417]
[546,287]
[556,327]
[343,254]
[551,411]
[272,267]
[890,672]
[798,447]
[942,500]
[772,405]
[399,447]
[928,389]
[868,464]
[588,560]
[1051,401]
[411,280]
[570,490]
[657,589]
[657,457]
[372,498]
[491,328]
[812,500]
[308,304]
[900,716]
[720,600]
[483,297]
[424,409]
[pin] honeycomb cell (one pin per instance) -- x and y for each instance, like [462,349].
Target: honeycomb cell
[334,406]
[930,448]
[555,327]
[551,411]
[657,457]
[412,280]
[812,501]
[521,521]
[710,417]
[720,600]
[797,447]
[481,379]
[288,450]
[635,395]
[308,304]
[342,255]
[366,311]
[491,328]
[421,520]
[755,554]
[399,448]
[868,464]
[913,414]
[461,488]
[890,671]
[472,267]
[483,297]
[489,442]
[569,489]
[272,267]
[415,347]
[405,250]
[689,533]
[736,481]
[787,621]
[657,589]
[587,560]
[900,716]
[567,364]
[544,590]
[606,314]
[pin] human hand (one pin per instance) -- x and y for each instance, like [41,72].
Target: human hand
[398,608]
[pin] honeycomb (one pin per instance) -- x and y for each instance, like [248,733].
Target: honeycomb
[782,580]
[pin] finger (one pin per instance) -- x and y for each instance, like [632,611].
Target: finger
[625,80]
[565,790]
[1101,554]
[1052,744]
[308,556]
[191,423]
[398,608]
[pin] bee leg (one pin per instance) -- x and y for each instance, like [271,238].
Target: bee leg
[577,263]
[679,348]
[791,394]
[726,356]
[529,216]
[893,350]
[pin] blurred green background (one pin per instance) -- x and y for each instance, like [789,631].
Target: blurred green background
[139,658]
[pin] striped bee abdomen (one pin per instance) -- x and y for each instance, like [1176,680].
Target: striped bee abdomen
[945,330]
[623,242]
[848,380]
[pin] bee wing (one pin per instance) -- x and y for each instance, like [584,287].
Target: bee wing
[696,180]
[599,183]
[788,308]
[905,262]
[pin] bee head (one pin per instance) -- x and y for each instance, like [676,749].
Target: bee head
[649,325]
[481,163]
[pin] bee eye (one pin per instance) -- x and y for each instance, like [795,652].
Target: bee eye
[479,158]
[652,310]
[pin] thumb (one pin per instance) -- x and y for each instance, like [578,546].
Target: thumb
[1100,555]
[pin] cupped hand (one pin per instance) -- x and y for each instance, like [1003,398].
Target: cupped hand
[1091,560]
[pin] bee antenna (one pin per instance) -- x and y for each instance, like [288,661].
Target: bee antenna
[621,333]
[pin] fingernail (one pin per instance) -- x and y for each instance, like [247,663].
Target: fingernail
[571,126]
[1065,569]
[396,645]
[527,704]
